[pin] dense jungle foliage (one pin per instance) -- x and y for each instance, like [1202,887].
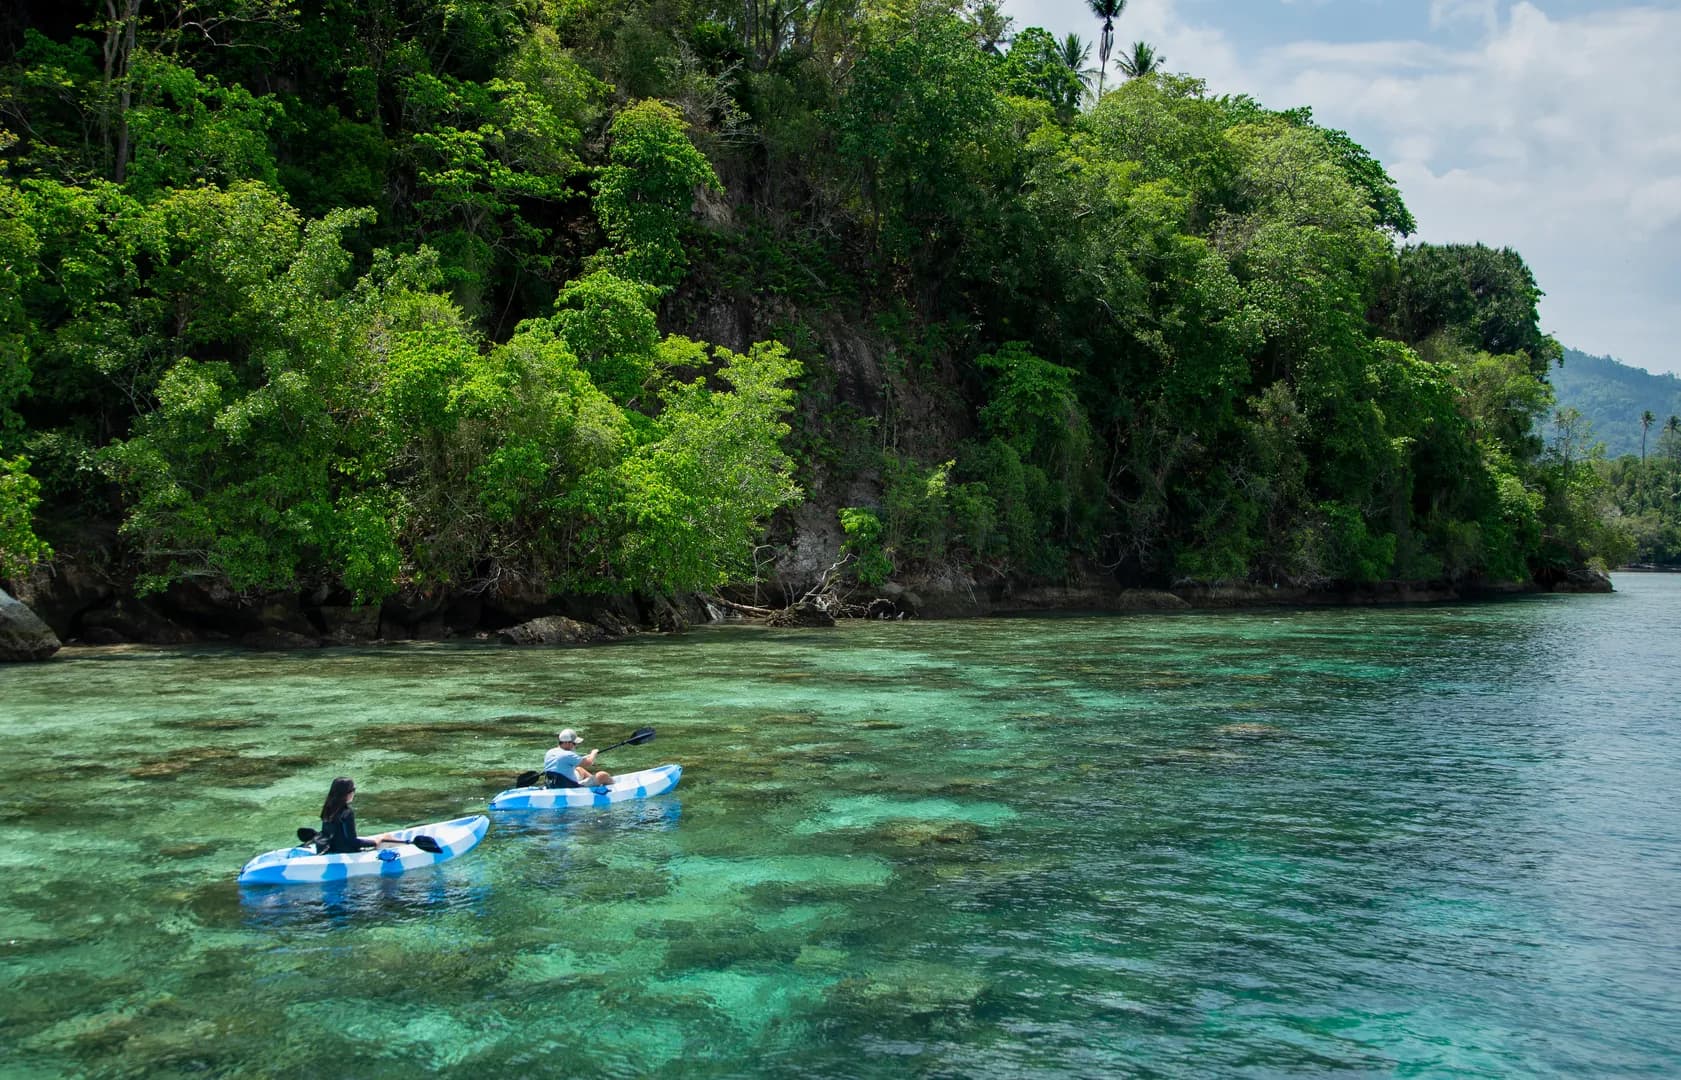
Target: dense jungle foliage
[1616,398]
[1646,494]
[1627,420]
[360,293]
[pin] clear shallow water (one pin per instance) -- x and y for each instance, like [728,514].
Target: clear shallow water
[1413,841]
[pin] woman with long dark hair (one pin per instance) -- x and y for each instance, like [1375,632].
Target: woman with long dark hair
[338,821]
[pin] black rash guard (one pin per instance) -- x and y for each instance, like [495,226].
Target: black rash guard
[340,835]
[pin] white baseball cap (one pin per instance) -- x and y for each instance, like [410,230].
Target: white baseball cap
[568,736]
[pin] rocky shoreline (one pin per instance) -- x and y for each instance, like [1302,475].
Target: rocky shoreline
[65,604]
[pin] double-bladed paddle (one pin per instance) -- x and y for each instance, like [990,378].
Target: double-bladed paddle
[424,843]
[637,738]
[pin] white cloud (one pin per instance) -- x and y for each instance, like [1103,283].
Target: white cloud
[1485,13]
[1657,204]
[1551,135]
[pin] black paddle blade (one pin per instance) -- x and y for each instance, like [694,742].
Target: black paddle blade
[424,843]
[637,738]
[526,779]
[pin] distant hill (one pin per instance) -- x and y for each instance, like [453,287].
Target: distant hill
[1612,396]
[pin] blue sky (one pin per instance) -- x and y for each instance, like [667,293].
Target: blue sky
[1549,126]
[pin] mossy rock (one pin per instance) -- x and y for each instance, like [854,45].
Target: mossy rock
[1249,731]
[197,760]
[909,832]
[822,958]
[190,850]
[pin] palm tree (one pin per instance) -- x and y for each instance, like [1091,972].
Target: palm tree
[1108,11]
[1646,422]
[1141,61]
[1075,54]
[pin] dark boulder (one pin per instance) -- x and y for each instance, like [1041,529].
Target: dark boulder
[614,625]
[1583,580]
[551,630]
[404,611]
[207,604]
[349,623]
[131,620]
[667,615]
[60,590]
[275,639]
[23,636]
[514,600]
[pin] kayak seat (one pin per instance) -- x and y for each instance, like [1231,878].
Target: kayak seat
[559,780]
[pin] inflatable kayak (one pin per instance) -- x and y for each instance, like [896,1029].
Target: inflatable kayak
[302,864]
[636,785]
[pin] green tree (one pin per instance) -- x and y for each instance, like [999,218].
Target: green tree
[1075,54]
[1486,296]
[643,197]
[1035,67]
[20,548]
[924,125]
[484,153]
[608,322]
[681,510]
[1141,60]
[184,129]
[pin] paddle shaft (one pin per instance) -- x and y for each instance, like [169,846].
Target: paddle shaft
[642,736]
[424,843]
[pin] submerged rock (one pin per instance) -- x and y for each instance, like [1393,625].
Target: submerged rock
[1248,731]
[906,832]
[23,636]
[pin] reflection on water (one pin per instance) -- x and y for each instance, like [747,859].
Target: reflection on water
[591,824]
[1437,841]
[418,894]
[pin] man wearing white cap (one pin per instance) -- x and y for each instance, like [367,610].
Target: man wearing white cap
[563,766]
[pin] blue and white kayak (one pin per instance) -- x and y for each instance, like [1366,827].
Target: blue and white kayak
[301,864]
[636,785]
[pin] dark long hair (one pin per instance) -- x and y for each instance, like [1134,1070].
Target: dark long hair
[338,796]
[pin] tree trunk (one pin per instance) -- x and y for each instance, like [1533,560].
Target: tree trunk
[124,57]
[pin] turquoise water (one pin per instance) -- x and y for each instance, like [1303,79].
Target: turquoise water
[1432,841]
